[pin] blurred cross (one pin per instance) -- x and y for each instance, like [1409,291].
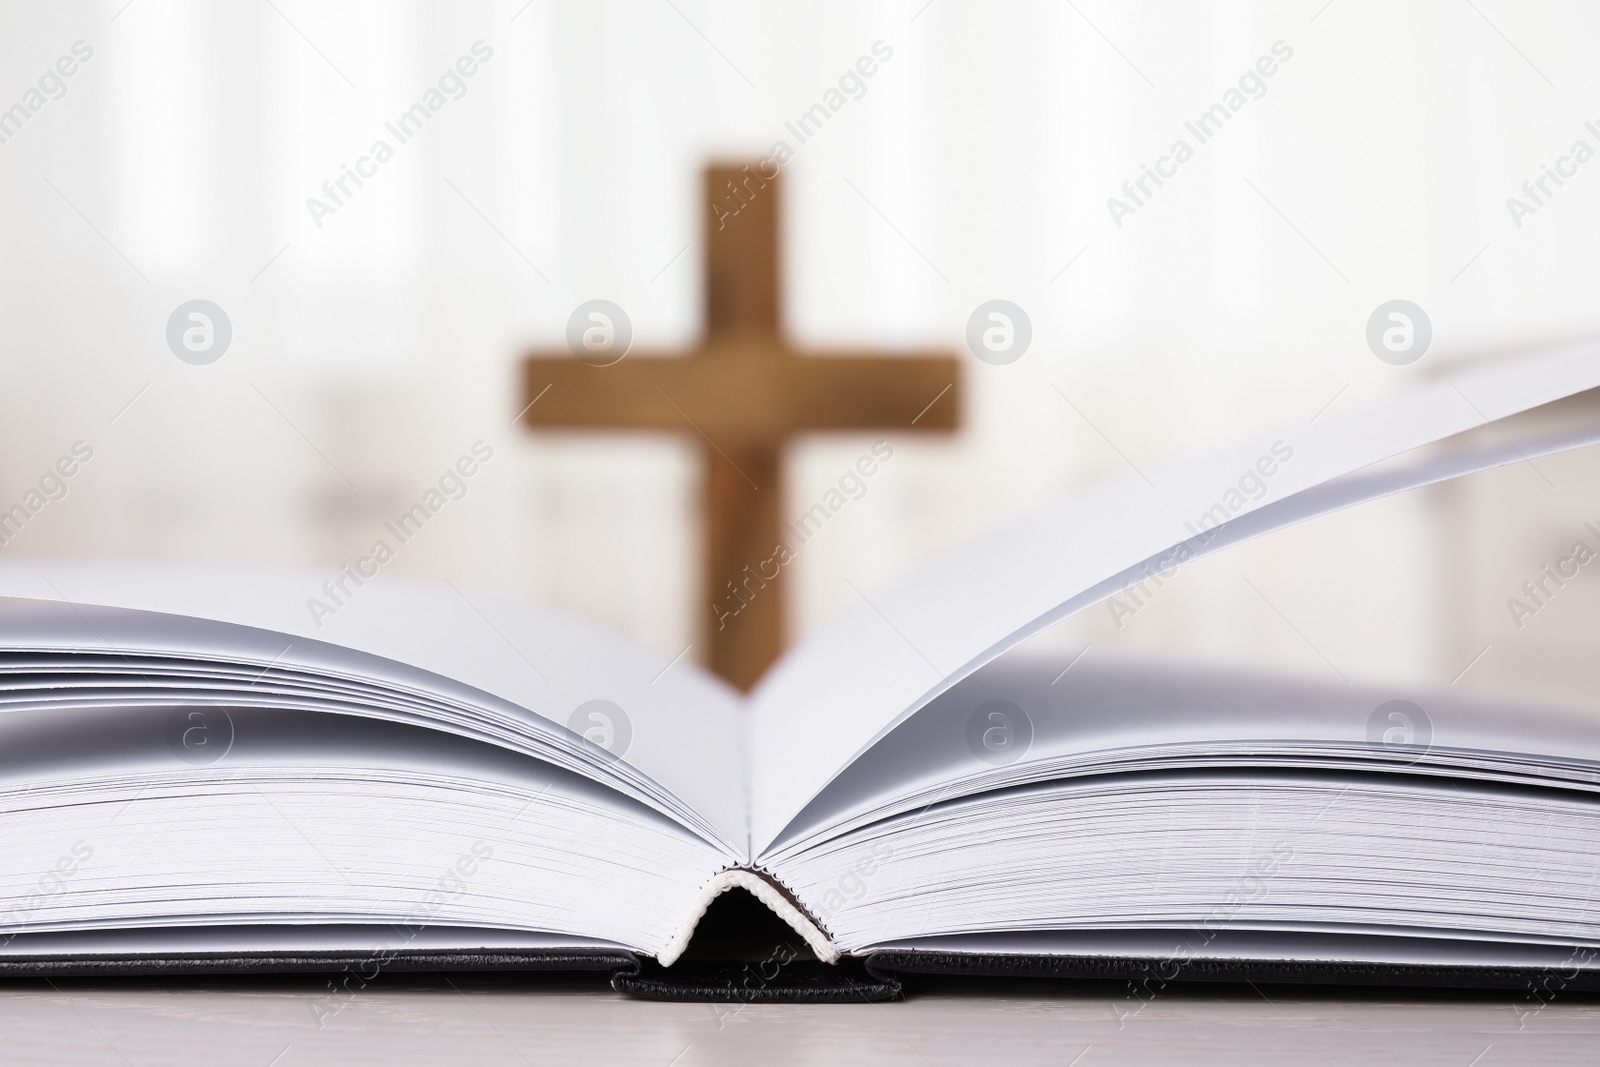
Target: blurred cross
[741,396]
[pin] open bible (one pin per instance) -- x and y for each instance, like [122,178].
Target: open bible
[198,774]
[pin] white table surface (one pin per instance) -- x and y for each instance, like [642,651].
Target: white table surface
[497,1020]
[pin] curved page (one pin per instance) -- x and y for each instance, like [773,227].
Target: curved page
[836,693]
[1117,714]
[920,754]
[675,724]
[312,818]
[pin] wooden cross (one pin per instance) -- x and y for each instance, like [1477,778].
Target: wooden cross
[742,395]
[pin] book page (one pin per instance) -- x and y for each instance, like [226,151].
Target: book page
[1418,947]
[671,721]
[300,817]
[835,694]
[926,753]
[366,942]
[1119,713]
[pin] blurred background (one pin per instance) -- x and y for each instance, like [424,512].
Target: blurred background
[374,344]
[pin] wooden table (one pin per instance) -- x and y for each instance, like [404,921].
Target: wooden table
[500,1020]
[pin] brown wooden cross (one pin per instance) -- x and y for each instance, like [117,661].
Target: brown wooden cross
[742,395]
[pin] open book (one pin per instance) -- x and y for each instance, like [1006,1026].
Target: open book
[194,767]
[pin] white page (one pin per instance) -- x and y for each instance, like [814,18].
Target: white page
[570,854]
[1114,712]
[835,693]
[1429,948]
[684,724]
[366,941]
[911,755]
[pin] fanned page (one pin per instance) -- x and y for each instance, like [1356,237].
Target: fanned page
[838,692]
[1159,804]
[666,721]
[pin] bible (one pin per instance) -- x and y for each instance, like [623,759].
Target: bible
[197,775]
